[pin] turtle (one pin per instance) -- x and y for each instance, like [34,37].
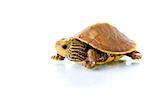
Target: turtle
[97,44]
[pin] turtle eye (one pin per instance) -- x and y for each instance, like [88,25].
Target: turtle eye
[64,46]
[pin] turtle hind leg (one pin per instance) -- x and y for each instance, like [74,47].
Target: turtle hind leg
[135,55]
[90,61]
[57,57]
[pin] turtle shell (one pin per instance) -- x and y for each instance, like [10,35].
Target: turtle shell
[106,38]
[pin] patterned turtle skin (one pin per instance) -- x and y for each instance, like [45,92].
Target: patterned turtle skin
[97,44]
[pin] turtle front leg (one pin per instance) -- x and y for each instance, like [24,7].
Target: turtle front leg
[57,57]
[135,55]
[90,61]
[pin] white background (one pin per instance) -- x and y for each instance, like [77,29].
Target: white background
[29,29]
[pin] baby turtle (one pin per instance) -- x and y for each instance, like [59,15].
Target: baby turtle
[97,44]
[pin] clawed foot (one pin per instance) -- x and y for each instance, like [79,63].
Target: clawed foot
[88,64]
[135,55]
[57,57]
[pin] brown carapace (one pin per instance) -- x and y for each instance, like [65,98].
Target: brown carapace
[97,44]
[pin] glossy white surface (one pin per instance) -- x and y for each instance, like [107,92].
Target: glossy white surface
[29,29]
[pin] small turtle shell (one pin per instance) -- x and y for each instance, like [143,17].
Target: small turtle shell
[106,38]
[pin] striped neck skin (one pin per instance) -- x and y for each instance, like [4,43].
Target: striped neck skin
[77,51]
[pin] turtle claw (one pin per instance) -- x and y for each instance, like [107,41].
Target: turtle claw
[57,57]
[88,64]
[135,55]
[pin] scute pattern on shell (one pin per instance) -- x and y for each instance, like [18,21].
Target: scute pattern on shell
[106,38]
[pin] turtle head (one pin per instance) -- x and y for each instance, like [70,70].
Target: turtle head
[62,46]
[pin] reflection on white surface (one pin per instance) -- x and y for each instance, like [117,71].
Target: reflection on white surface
[75,75]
